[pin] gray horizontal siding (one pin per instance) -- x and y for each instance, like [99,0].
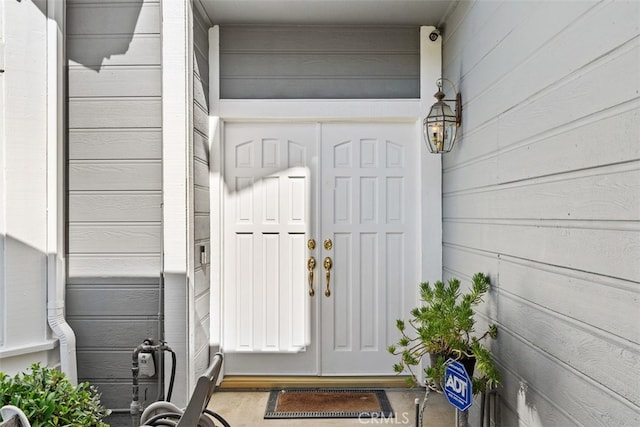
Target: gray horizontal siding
[126,17]
[83,268]
[319,62]
[114,206]
[102,332]
[114,113]
[200,187]
[546,197]
[95,51]
[310,88]
[535,196]
[112,144]
[114,81]
[115,175]
[612,256]
[114,238]
[113,392]
[114,189]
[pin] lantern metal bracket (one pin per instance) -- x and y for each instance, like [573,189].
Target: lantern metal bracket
[439,95]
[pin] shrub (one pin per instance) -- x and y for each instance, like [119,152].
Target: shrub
[48,399]
[444,326]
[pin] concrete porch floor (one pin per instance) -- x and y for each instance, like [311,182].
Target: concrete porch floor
[246,409]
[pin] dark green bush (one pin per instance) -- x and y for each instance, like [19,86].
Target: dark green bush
[48,399]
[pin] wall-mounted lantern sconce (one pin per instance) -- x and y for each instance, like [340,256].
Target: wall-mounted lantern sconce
[441,124]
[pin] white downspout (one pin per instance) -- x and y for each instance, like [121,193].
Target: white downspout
[56,319]
[55,189]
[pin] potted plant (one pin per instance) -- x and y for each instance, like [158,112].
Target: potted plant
[443,327]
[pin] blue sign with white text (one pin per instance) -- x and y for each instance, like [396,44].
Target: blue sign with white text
[457,385]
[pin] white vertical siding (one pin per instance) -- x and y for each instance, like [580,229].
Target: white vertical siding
[543,193]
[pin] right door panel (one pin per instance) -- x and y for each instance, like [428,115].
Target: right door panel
[369,200]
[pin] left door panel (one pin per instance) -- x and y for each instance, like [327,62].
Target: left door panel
[268,202]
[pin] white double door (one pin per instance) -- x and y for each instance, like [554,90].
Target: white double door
[343,194]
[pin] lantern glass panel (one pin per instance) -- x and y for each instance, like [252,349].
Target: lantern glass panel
[440,128]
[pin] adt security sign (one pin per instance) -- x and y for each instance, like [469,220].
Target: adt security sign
[457,385]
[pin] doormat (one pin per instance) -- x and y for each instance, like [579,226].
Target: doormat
[328,403]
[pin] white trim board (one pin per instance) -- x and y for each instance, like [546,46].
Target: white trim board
[176,130]
[258,110]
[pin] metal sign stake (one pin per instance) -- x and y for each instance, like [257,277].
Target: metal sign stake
[462,418]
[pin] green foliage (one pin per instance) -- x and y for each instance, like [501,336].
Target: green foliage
[444,325]
[48,399]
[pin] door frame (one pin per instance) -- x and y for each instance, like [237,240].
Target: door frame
[332,110]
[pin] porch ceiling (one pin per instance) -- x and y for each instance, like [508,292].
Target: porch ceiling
[341,12]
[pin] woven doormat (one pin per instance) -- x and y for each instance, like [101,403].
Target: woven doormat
[328,403]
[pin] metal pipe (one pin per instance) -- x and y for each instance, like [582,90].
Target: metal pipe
[120,411]
[136,406]
[161,337]
[462,418]
[488,400]
[161,376]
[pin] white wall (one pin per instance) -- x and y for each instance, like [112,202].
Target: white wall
[543,193]
[24,334]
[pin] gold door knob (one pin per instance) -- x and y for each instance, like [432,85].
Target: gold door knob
[311,265]
[328,263]
[328,244]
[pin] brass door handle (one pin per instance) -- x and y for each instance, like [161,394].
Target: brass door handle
[328,263]
[311,266]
